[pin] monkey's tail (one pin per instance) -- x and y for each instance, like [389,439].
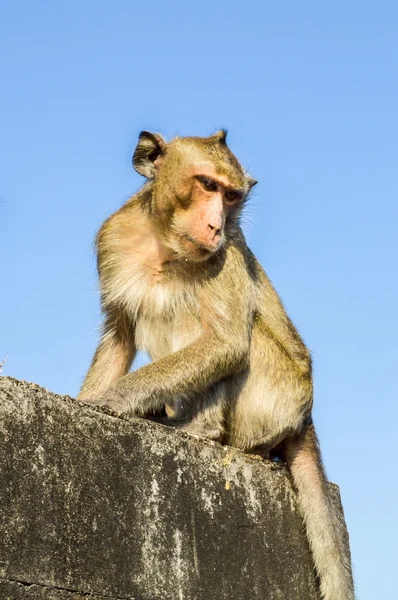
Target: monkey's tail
[325,529]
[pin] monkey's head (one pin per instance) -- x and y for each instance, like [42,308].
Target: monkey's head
[198,190]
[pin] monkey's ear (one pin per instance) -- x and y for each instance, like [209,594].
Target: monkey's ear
[148,153]
[220,136]
[251,182]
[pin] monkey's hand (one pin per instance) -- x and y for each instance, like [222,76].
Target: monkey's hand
[129,395]
[111,402]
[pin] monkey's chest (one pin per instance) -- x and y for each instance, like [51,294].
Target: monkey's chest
[167,321]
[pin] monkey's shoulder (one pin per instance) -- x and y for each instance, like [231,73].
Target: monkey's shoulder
[242,264]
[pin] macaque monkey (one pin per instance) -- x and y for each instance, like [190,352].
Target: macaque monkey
[178,281]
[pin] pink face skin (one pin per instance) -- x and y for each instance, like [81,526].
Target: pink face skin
[200,227]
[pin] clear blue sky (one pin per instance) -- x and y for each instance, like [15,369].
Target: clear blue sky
[309,94]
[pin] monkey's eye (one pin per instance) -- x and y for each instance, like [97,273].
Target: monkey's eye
[209,184]
[232,196]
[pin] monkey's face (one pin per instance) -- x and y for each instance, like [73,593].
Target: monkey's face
[199,189]
[203,200]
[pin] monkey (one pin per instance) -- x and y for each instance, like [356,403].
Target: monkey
[178,281]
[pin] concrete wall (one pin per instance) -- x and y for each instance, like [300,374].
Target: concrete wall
[98,507]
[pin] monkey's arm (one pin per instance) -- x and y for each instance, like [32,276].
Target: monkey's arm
[222,349]
[113,356]
[192,369]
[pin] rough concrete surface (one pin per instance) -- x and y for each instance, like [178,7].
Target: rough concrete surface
[95,506]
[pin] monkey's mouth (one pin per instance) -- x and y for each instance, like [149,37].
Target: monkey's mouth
[196,249]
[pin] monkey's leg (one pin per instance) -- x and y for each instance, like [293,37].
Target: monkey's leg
[111,360]
[270,400]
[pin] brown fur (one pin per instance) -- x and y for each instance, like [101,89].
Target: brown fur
[178,281]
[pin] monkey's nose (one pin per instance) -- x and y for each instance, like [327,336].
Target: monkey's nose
[216,230]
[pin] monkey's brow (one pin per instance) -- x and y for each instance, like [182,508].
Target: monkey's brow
[213,181]
[204,177]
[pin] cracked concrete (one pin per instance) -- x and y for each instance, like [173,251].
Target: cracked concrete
[93,506]
[17,590]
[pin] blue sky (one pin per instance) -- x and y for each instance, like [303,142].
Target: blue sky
[309,94]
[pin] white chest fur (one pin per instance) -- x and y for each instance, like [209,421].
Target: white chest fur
[167,320]
[166,316]
[139,277]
